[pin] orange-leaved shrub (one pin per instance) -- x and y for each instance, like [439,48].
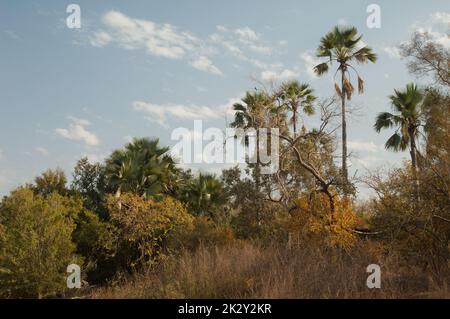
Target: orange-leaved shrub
[314,221]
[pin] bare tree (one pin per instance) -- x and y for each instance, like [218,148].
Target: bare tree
[427,57]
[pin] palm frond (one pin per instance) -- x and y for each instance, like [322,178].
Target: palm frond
[360,85]
[338,89]
[321,68]
[384,120]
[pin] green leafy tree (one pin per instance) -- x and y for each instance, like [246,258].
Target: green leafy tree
[35,243]
[342,45]
[51,181]
[89,180]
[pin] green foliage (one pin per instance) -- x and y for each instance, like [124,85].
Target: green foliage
[296,97]
[35,243]
[96,241]
[204,196]
[89,181]
[137,210]
[142,167]
[51,181]
[407,118]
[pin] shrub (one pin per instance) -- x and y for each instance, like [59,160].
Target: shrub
[204,232]
[35,243]
[144,225]
[96,241]
[312,220]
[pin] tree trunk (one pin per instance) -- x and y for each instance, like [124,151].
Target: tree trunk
[117,195]
[344,132]
[257,176]
[294,119]
[413,153]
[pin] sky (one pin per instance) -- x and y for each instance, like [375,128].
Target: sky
[144,68]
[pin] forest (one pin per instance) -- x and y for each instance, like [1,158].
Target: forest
[140,225]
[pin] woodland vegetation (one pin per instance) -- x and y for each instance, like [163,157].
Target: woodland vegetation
[141,226]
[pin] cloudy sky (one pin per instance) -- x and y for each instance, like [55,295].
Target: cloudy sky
[143,68]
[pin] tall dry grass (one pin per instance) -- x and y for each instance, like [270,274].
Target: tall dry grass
[250,271]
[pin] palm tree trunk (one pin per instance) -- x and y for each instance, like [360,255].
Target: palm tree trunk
[258,177]
[117,196]
[344,131]
[413,153]
[294,119]
[257,168]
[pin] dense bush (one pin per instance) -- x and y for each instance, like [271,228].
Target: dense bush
[143,226]
[35,243]
[202,232]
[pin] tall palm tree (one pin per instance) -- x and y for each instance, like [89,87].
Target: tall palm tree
[343,45]
[142,167]
[407,107]
[295,96]
[251,113]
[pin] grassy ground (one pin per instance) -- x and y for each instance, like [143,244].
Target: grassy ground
[249,271]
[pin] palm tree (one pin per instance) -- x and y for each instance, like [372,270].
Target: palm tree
[251,113]
[343,45]
[142,167]
[205,194]
[407,106]
[294,96]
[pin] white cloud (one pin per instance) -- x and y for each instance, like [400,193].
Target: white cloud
[41,150]
[189,112]
[438,37]
[204,64]
[246,35]
[222,28]
[441,18]
[78,132]
[285,74]
[94,158]
[363,146]
[79,121]
[1,154]
[100,39]
[260,49]
[159,40]
[393,52]
[434,28]
[236,41]
[160,112]
[162,40]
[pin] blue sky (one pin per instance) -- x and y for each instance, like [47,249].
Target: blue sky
[143,68]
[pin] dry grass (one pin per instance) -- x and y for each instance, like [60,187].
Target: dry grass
[249,271]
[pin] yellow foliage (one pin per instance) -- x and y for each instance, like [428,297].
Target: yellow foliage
[314,221]
[145,224]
